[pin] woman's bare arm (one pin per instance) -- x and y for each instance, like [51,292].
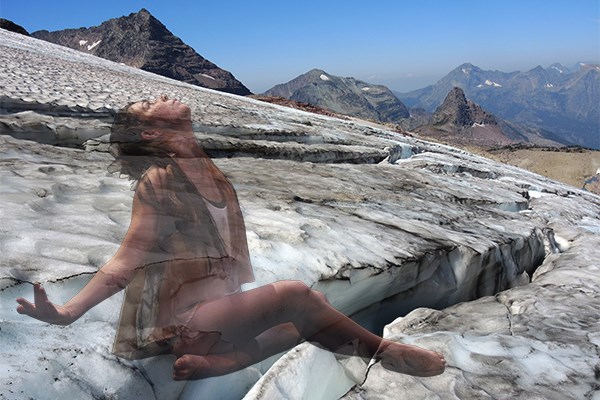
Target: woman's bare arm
[110,279]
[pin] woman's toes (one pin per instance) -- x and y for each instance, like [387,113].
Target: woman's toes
[190,367]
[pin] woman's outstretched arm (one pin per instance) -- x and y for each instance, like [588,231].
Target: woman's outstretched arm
[110,279]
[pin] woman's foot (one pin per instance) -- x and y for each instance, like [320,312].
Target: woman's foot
[190,367]
[193,367]
[410,360]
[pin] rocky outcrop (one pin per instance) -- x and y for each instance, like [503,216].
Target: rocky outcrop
[457,110]
[417,225]
[12,27]
[142,41]
[459,121]
[347,96]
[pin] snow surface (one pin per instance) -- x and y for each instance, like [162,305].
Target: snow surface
[96,43]
[324,77]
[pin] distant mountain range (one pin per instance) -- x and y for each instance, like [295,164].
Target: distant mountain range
[347,96]
[556,103]
[142,41]
[563,103]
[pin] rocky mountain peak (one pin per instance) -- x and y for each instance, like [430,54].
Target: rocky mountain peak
[348,96]
[457,110]
[144,19]
[140,40]
[11,26]
[316,71]
[558,67]
[466,68]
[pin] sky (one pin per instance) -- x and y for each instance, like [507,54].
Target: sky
[404,45]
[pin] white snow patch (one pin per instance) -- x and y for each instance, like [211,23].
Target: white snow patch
[534,194]
[475,124]
[365,89]
[549,85]
[324,77]
[562,243]
[466,71]
[82,42]
[598,171]
[558,69]
[96,43]
[208,76]
[489,83]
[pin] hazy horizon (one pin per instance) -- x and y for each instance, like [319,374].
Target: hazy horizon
[403,46]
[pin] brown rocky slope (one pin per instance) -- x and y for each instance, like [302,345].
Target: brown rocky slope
[142,41]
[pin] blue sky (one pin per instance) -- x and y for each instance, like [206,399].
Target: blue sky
[402,44]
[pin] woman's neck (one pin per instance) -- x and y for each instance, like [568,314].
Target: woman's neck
[187,149]
[183,144]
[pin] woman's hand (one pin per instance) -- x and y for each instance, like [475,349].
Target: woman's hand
[114,276]
[43,309]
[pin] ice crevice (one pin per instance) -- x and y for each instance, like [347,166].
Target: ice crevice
[438,279]
[18,281]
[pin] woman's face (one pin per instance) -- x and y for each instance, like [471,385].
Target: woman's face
[162,109]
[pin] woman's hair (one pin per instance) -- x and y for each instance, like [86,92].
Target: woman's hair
[134,154]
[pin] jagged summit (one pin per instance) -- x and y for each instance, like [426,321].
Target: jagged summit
[559,68]
[460,121]
[457,110]
[466,68]
[347,96]
[142,41]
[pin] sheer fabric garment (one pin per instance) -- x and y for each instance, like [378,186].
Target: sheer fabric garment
[201,254]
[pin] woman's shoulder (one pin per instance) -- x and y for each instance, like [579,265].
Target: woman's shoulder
[158,176]
[153,184]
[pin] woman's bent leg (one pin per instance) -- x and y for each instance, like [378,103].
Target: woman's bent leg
[244,316]
[241,317]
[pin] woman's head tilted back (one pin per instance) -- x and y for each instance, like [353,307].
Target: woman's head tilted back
[141,132]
